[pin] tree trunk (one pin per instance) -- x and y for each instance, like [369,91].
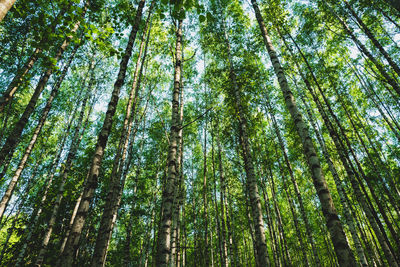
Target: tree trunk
[371,36]
[116,185]
[288,194]
[164,236]
[342,249]
[352,172]
[296,188]
[76,139]
[13,139]
[223,206]
[234,91]
[5,6]
[219,226]
[19,77]
[92,179]
[19,209]
[21,166]
[287,259]
[355,184]
[178,182]
[390,80]
[338,183]
[205,198]
[38,211]
[271,229]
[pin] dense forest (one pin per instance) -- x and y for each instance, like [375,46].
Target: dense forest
[200,133]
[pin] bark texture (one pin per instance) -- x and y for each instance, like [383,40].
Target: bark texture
[76,139]
[13,139]
[342,249]
[22,72]
[92,180]
[5,6]
[116,186]
[164,236]
[21,166]
[254,197]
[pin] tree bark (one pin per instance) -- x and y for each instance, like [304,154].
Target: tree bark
[92,179]
[116,185]
[255,204]
[342,194]
[342,249]
[5,6]
[76,139]
[296,188]
[371,36]
[21,166]
[38,210]
[13,139]
[21,73]
[164,235]
[222,199]
[227,234]
[354,183]
[390,80]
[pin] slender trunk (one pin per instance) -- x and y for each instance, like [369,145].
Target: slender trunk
[388,17]
[342,194]
[23,198]
[75,210]
[390,80]
[76,139]
[222,197]
[296,188]
[226,235]
[294,215]
[354,183]
[369,91]
[205,204]
[181,184]
[215,200]
[92,179]
[379,201]
[261,246]
[290,200]
[21,166]
[5,6]
[13,139]
[342,249]
[179,181]
[144,260]
[366,178]
[371,36]
[280,223]
[127,244]
[381,235]
[195,242]
[116,185]
[38,211]
[385,176]
[132,217]
[251,228]
[271,230]
[164,235]
[17,80]
[21,73]
[71,222]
